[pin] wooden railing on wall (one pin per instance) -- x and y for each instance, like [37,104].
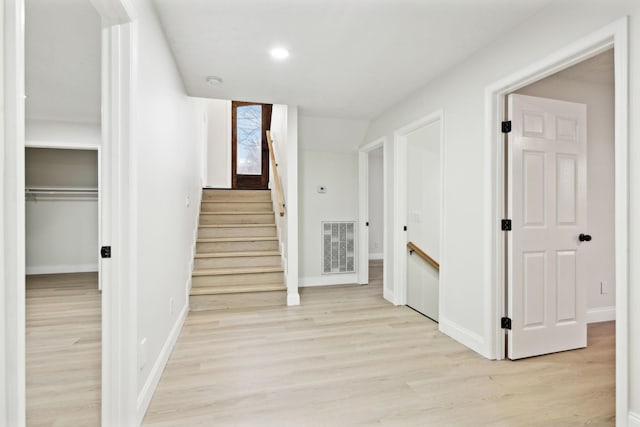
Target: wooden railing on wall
[422,254]
[276,176]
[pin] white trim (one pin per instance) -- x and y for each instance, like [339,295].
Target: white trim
[601,314]
[634,420]
[613,35]
[376,256]
[149,387]
[388,295]
[363,207]
[12,228]
[400,203]
[60,269]
[119,294]
[194,244]
[461,334]
[329,280]
[293,297]
[63,145]
[229,151]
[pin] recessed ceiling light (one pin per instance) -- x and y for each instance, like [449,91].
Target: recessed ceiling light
[279,53]
[214,80]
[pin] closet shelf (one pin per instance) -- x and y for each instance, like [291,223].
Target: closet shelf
[60,193]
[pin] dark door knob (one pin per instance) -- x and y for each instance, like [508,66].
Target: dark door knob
[584,237]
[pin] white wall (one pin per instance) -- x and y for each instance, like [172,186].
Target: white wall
[376,204]
[328,157]
[600,252]
[461,93]
[284,133]
[166,168]
[49,133]
[218,143]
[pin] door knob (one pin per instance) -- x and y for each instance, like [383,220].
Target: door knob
[584,237]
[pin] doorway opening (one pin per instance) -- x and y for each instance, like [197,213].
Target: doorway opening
[63,138]
[418,217]
[614,36]
[373,243]
[249,148]
[561,181]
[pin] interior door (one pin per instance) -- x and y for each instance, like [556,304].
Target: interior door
[423,217]
[249,149]
[547,201]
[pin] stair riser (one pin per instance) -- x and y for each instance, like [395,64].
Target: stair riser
[244,195]
[237,279]
[249,261]
[238,301]
[236,207]
[266,218]
[216,247]
[204,233]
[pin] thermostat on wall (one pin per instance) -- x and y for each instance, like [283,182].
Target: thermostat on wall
[322,189]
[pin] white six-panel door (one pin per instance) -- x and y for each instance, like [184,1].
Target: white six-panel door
[547,201]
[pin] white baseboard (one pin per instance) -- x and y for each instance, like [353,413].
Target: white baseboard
[463,335]
[601,314]
[144,398]
[58,269]
[634,420]
[388,295]
[293,298]
[376,256]
[329,280]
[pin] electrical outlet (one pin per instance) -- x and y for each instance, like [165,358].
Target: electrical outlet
[188,201]
[170,305]
[604,288]
[142,354]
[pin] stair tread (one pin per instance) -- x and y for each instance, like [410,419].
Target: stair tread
[236,201]
[238,213]
[231,289]
[236,254]
[237,270]
[237,225]
[236,239]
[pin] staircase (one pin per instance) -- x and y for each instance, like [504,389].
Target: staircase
[237,261]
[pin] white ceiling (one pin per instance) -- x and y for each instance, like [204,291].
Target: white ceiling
[349,58]
[62,55]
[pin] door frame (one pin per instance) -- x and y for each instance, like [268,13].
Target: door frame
[119,355]
[614,35]
[400,206]
[363,211]
[12,216]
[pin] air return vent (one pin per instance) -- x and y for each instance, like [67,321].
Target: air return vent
[338,247]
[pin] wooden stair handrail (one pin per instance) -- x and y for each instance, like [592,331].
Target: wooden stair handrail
[422,254]
[276,176]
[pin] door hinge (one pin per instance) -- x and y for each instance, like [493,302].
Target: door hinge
[506,126]
[505,323]
[506,225]
[105,252]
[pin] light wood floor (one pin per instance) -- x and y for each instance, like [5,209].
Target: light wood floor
[345,357]
[63,349]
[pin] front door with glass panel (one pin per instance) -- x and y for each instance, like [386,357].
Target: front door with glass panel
[249,149]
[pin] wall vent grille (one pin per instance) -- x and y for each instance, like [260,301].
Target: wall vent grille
[338,247]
